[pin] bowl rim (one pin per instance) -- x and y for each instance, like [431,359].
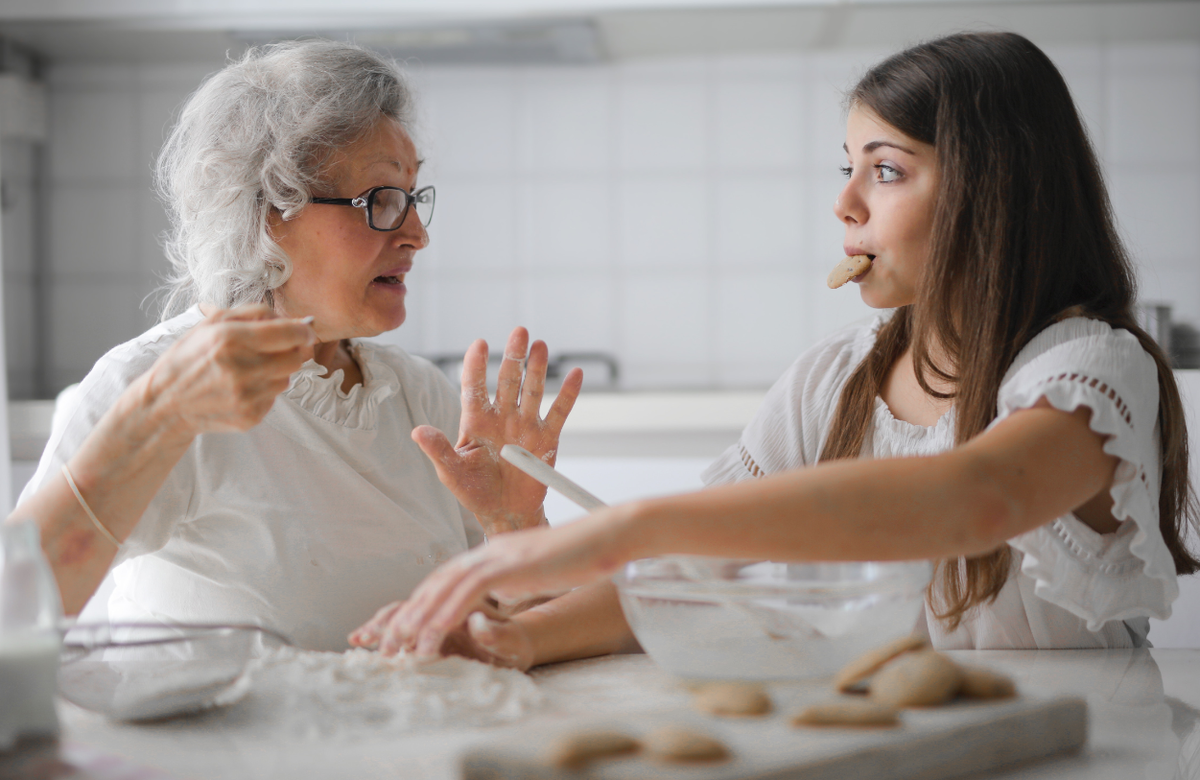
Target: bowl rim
[897,577]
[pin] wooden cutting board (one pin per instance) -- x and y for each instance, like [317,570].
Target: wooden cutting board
[959,740]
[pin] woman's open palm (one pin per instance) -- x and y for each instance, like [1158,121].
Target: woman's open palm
[500,495]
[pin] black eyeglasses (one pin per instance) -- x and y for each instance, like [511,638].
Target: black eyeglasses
[388,206]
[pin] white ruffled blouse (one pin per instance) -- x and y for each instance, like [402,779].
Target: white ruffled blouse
[1070,586]
[308,522]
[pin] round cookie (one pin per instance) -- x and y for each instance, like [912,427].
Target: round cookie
[848,712]
[732,698]
[684,745]
[917,679]
[846,269]
[576,750]
[858,670]
[980,683]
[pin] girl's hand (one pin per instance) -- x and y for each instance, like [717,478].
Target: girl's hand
[510,568]
[486,636]
[224,374]
[500,495]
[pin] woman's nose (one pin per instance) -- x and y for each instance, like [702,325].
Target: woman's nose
[848,207]
[414,234]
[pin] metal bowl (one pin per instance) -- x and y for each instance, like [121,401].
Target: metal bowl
[148,671]
[708,618]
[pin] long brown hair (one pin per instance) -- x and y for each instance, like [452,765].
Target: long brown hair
[1022,232]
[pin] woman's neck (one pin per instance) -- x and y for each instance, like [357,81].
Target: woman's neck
[905,397]
[334,355]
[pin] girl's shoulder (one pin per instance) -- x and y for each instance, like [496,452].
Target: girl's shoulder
[1082,344]
[839,353]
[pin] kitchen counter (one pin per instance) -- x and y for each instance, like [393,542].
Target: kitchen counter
[1143,707]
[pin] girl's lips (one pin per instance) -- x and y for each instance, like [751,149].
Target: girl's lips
[863,275]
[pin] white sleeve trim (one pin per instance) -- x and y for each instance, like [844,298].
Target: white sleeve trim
[1100,577]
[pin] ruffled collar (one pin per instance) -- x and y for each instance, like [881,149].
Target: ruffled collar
[323,396]
[885,420]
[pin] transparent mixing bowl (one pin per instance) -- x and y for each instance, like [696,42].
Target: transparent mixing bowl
[708,618]
[145,671]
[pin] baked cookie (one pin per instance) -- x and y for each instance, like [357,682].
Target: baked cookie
[980,683]
[848,712]
[684,745]
[577,750]
[861,668]
[732,698]
[846,269]
[917,679]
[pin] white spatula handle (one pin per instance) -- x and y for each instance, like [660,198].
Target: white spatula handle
[535,467]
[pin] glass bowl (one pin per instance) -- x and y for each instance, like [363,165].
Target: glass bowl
[708,618]
[138,671]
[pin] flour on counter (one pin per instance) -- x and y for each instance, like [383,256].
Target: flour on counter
[302,694]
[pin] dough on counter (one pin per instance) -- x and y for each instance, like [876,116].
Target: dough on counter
[861,668]
[848,712]
[917,679]
[846,269]
[683,744]
[732,698]
[578,749]
[980,683]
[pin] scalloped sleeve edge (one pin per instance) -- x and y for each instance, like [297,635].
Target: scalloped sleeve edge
[1096,577]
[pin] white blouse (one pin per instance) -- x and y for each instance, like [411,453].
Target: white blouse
[1070,586]
[306,523]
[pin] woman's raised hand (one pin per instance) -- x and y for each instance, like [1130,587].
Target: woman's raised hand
[509,568]
[500,495]
[224,374]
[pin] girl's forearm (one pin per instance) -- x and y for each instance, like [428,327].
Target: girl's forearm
[584,623]
[896,509]
[1035,466]
[119,468]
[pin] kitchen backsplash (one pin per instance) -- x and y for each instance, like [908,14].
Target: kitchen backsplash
[676,214]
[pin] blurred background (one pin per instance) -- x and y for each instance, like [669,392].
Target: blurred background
[646,184]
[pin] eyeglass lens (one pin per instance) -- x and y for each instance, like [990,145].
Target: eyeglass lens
[388,207]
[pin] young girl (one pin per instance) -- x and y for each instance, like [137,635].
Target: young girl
[1005,416]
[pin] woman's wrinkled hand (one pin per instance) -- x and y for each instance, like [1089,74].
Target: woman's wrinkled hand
[486,635]
[224,374]
[501,496]
[509,568]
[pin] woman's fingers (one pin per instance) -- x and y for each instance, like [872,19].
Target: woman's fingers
[474,376]
[277,335]
[556,417]
[367,635]
[512,368]
[534,385]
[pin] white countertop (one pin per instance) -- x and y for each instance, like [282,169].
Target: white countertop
[1143,708]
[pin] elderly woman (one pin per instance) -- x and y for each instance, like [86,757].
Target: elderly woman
[249,460]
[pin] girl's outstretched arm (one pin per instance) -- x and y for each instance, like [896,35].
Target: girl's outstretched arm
[1033,467]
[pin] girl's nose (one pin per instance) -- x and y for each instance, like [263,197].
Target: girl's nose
[848,207]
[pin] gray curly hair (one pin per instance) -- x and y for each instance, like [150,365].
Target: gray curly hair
[256,136]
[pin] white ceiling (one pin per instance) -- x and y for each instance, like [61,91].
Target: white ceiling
[205,30]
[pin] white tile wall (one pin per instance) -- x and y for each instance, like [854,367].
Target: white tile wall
[675,212]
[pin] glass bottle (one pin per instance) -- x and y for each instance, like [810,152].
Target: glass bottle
[30,613]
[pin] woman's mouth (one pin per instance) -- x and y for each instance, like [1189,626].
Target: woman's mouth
[863,275]
[398,279]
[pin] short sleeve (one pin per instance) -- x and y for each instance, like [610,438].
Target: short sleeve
[789,428]
[1130,572]
[79,412]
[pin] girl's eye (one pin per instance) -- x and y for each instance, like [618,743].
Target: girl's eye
[846,171]
[887,173]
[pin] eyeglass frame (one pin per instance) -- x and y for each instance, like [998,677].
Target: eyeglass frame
[366,201]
